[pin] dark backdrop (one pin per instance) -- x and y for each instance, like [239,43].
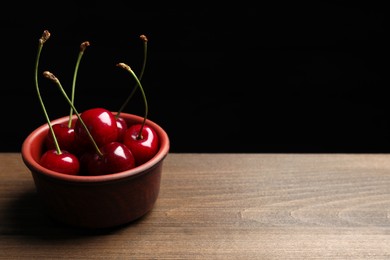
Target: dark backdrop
[282,77]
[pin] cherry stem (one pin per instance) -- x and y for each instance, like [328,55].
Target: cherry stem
[127,67]
[45,36]
[83,46]
[51,76]
[145,40]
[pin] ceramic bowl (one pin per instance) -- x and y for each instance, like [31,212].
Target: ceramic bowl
[96,201]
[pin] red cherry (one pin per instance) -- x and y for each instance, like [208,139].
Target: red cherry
[54,159]
[63,162]
[143,145]
[122,127]
[140,138]
[65,137]
[115,157]
[101,124]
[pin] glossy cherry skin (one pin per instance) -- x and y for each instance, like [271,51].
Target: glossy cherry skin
[65,162]
[116,157]
[65,137]
[143,148]
[122,127]
[101,123]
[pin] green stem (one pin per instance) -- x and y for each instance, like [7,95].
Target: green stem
[51,76]
[83,46]
[127,67]
[42,40]
[145,40]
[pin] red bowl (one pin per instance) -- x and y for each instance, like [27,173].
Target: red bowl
[96,201]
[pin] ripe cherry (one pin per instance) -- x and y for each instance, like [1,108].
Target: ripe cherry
[115,157]
[121,123]
[101,124]
[63,162]
[140,138]
[65,133]
[122,127]
[54,159]
[143,142]
[65,136]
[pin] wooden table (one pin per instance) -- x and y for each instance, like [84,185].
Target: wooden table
[222,206]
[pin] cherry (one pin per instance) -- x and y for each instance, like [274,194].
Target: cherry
[65,136]
[101,124]
[116,157]
[54,159]
[140,138]
[65,132]
[121,123]
[122,127]
[144,147]
[64,162]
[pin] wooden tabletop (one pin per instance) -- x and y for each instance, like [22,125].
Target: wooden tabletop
[222,206]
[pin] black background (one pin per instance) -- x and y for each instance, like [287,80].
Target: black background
[275,77]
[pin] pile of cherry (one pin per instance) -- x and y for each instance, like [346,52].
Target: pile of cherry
[119,146]
[97,141]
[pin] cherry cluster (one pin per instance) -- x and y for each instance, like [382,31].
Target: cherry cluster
[98,141]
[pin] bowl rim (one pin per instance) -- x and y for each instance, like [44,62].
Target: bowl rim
[34,166]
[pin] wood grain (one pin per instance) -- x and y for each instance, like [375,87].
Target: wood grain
[222,206]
